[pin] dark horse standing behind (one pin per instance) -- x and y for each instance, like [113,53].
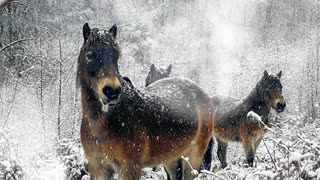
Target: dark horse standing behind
[124,129]
[231,123]
[156,74]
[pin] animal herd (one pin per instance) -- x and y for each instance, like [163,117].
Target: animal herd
[125,129]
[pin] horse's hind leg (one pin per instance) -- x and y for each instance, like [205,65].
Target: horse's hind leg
[192,164]
[222,152]
[195,158]
[207,159]
[174,170]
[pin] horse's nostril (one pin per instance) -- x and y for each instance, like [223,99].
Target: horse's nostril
[111,93]
[107,90]
[281,105]
[117,91]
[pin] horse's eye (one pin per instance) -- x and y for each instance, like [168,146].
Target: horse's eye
[94,55]
[89,58]
[92,73]
[268,93]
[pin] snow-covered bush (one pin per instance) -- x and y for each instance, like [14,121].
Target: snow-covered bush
[290,151]
[71,153]
[10,169]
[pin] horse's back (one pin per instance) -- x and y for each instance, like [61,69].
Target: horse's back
[180,97]
[226,117]
[223,105]
[178,91]
[186,109]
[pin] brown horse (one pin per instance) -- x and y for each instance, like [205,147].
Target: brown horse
[156,74]
[124,129]
[231,123]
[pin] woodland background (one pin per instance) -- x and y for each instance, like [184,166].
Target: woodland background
[223,45]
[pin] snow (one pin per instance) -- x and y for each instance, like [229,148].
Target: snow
[105,108]
[218,44]
[52,171]
[297,157]
[254,117]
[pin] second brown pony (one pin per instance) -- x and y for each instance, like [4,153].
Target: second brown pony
[124,129]
[231,123]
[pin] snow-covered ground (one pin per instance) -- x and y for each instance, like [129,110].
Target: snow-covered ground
[53,170]
[292,152]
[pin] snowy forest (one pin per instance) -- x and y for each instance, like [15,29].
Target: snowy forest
[223,45]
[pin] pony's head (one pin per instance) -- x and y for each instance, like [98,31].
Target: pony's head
[156,74]
[98,65]
[272,91]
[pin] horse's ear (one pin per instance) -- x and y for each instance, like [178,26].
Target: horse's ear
[169,69]
[152,68]
[279,74]
[127,79]
[113,31]
[86,31]
[265,74]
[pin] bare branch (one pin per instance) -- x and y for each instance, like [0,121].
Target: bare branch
[273,161]
[15,42]
[211,174]
[4,3]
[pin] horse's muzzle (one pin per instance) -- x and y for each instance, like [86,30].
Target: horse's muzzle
[112,94]
[281,107]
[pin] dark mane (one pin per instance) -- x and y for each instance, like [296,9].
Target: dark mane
[239,109]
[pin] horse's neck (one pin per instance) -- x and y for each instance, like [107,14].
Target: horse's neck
[253,102]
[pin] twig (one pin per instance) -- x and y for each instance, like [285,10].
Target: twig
[210,173]
[15,42]
[12,103]
[303,168]
[4,3]
[18,2]
[256,117]
[193,171]
[274,163]
[13,98]
[226,174]
[8,71]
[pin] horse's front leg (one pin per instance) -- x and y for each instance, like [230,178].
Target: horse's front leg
[174,169]
[100,171]
[130,172]
[249,150]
